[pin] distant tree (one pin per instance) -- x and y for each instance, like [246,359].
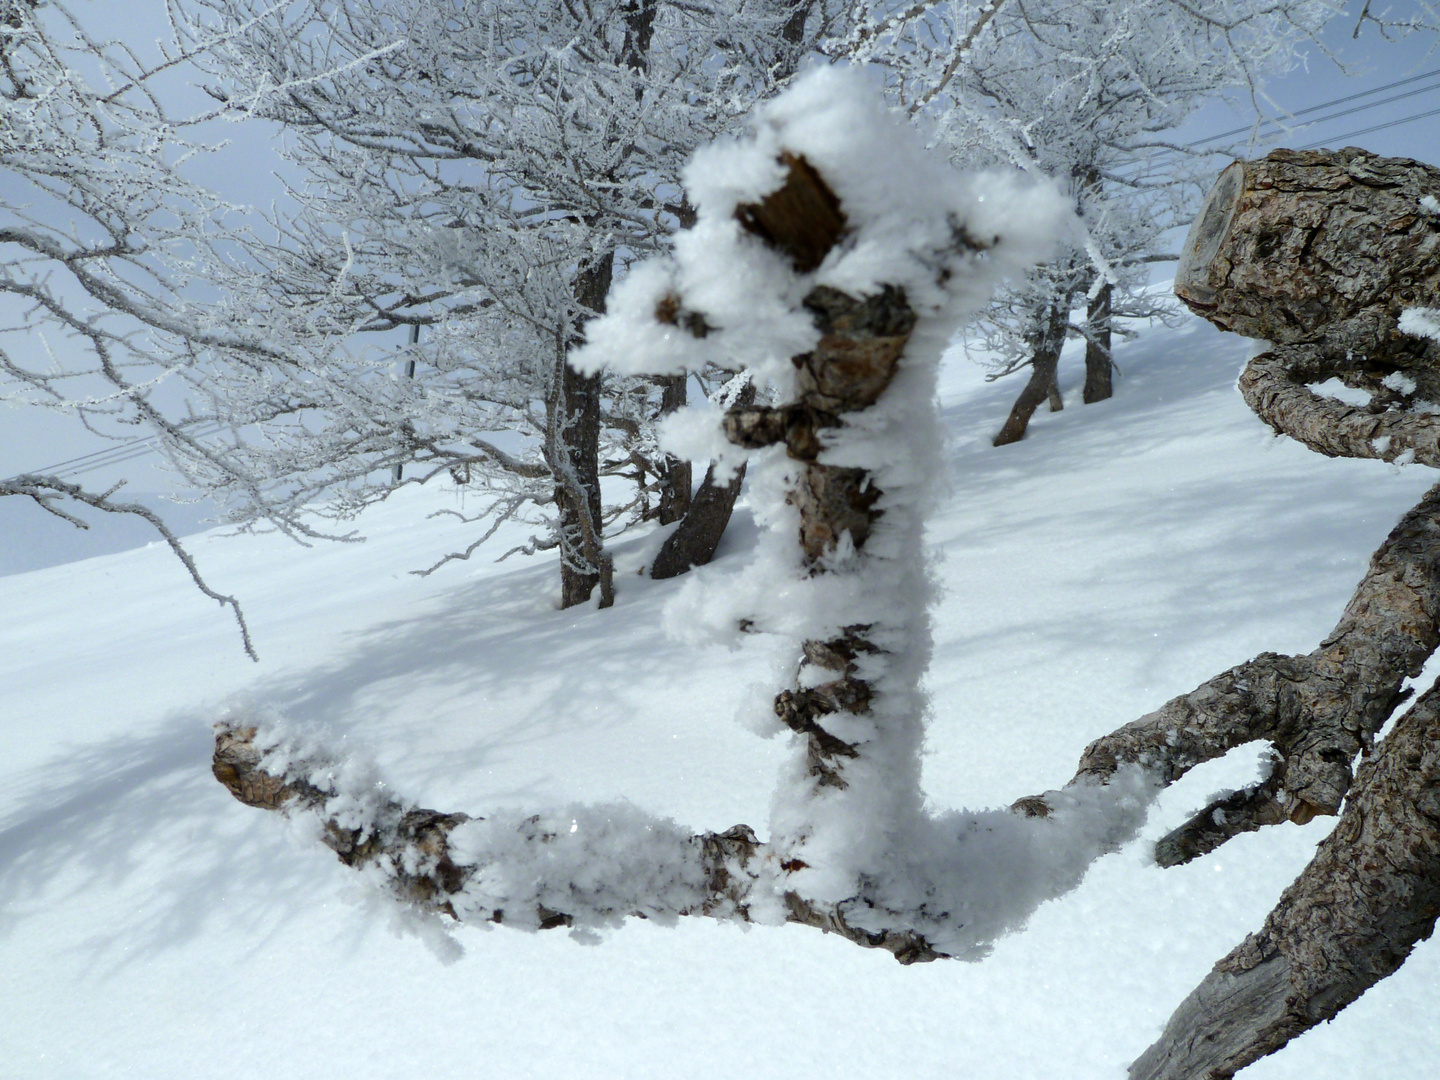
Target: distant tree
[1085,93]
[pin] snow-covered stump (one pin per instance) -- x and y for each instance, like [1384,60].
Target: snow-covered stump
[834,259]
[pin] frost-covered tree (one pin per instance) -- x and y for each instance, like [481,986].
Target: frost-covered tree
[99,230]
[1084,93]
[481,170]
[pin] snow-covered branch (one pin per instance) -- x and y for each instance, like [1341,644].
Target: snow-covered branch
[826,233]
[51,493]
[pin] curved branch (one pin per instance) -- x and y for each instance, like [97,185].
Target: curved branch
[1318,710]
[1274,386]
[1351,918]
[46,490]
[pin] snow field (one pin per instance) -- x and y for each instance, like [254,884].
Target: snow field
[151,926]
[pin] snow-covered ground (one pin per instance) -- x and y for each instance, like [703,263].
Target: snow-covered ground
[152,926]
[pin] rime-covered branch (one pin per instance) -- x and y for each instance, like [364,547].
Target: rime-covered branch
[50,492]
[1085,93]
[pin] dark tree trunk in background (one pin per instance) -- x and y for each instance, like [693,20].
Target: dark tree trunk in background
[1098,367]
[583,560]
[793,32]
[675,481]
[694,542]
[1043,369]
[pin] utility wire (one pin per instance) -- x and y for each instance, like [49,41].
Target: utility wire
[1330,104]
[1334,139]
[128,450]
[1329,139]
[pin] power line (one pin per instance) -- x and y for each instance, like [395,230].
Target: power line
[1366,131]
[128,450]
[1330,104]
[1371,105]
[1159,155]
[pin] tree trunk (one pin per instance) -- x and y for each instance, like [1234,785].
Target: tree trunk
[1043,370]
[1293,246]
[694,542]
[1099,369]
[793,32]
[850,681]
[584,563]
[675,480]
[1371,892]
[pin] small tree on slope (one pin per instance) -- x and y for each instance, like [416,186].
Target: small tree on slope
[1084,93]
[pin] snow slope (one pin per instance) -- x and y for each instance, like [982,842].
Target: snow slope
[151,926]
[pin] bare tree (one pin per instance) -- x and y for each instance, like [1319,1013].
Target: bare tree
[1085,93]
[483,170]
[99,227]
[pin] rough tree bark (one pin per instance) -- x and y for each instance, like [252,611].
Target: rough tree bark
[1099,367]
[584,562]
[1351,918]
[1318,253]
[1293,247]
